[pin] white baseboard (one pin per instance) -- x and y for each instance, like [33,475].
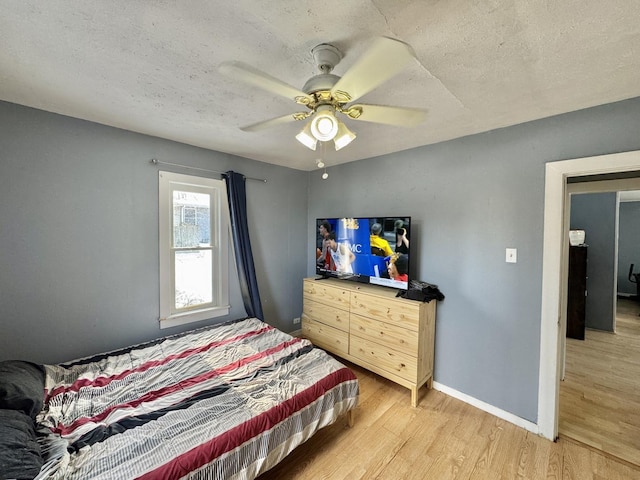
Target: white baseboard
[509,417]
[626,295]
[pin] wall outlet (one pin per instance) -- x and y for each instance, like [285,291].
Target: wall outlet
[296,320]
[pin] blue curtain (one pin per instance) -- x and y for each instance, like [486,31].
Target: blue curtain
[237,195]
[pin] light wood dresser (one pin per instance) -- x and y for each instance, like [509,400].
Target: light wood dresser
[369,326]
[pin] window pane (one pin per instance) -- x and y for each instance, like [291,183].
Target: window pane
[191,221]
[193,278]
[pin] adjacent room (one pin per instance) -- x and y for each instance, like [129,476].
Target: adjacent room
[191,197]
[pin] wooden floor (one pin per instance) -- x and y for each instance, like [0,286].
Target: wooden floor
[443,438]
[600,396]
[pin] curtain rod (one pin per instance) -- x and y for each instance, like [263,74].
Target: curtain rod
[155,161]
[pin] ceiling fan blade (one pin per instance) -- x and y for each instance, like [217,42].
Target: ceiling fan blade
[384,59]
[400,116]
[252,76]
[291,117]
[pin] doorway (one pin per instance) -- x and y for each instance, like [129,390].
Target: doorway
[554,272]
[598,402]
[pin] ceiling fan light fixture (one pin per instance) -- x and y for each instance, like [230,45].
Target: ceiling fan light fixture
[344,136]
[306,138]
[324,125]
[324,94]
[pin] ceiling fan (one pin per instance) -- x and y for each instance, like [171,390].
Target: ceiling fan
[326,94]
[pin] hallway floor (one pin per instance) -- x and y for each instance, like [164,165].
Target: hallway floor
[599,397]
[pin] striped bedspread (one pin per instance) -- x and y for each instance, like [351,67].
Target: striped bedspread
[223,402]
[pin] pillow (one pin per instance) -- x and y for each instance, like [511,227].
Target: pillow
[19,451]
[21,386]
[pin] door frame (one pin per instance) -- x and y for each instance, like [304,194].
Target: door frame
[555,273]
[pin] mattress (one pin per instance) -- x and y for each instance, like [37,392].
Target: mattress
[223,402]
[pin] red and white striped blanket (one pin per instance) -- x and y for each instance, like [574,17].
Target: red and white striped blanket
[222,402]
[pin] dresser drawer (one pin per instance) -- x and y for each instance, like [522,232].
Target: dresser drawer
[383,357]
[326,294]
[332,316]
[390,335]
[324,336]
[403,313]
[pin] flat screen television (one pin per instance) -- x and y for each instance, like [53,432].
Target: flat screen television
[368,250]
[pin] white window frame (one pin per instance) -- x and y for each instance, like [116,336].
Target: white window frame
[219,228]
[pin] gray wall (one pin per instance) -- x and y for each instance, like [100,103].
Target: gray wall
[469,199]
[628,246]
[79,235]
[596,214]
[79,263]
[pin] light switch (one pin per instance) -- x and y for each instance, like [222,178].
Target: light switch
[512,255]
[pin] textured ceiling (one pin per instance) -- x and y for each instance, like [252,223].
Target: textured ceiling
[151,66]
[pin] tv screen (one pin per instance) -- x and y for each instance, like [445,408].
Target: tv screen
[368,250]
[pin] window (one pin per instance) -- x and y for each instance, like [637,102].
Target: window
[194,226]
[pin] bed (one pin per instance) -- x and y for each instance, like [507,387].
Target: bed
[227,401]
